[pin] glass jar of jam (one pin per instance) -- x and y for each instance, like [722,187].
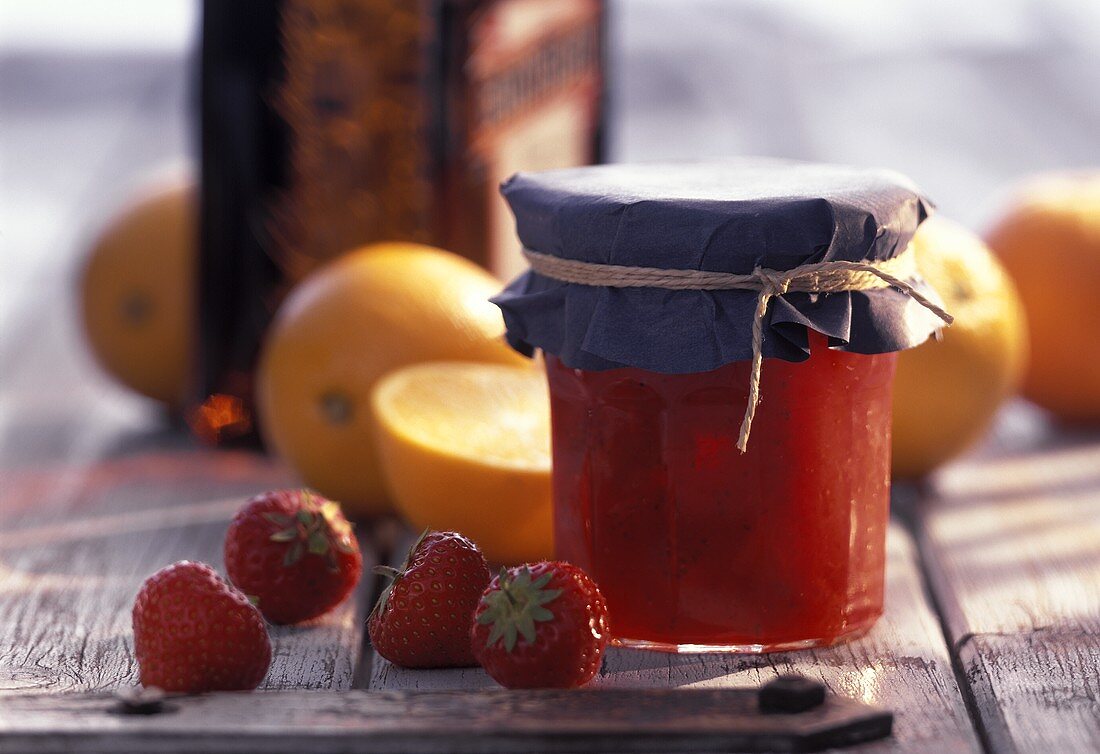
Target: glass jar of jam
[702,535]
[698,545]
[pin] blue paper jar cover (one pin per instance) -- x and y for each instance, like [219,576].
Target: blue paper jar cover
[737,216]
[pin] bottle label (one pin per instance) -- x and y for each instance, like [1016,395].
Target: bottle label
[535,85]
[354,100]
[402,123]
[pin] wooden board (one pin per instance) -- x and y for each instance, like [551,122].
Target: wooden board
[649,720]
[1011,541]
[903,665]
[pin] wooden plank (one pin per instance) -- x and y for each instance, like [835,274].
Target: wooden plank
[463,721]
[73,556]
[1011,540]
[902,664]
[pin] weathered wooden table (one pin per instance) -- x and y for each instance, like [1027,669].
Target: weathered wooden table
[991,637]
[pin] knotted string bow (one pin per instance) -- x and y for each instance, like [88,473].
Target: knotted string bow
[819,277]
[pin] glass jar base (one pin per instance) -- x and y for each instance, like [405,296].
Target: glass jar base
[753,649]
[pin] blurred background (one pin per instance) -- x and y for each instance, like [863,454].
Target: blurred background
[965,98]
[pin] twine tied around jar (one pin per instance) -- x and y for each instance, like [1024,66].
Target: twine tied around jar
[819,277]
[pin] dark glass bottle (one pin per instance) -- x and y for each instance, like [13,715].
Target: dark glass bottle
[330,124]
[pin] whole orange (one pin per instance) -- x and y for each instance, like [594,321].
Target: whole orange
[947,391]
[343,327]
[1048,237]
[137,292]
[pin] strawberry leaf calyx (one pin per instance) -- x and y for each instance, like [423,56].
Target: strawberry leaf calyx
[395,574]
[515,606]
[317,528]
[386,571]
[294,554]
[318,543]
[288,534]
[340,526]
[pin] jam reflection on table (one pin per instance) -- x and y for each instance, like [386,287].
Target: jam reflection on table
[696,545]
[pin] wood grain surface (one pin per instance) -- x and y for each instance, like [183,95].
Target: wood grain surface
[1011,541]
[902,664]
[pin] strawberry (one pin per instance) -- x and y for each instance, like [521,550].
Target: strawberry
[294,552]
[194,632]
[422,619]
[541,626]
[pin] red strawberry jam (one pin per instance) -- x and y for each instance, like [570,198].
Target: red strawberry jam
[697,546]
